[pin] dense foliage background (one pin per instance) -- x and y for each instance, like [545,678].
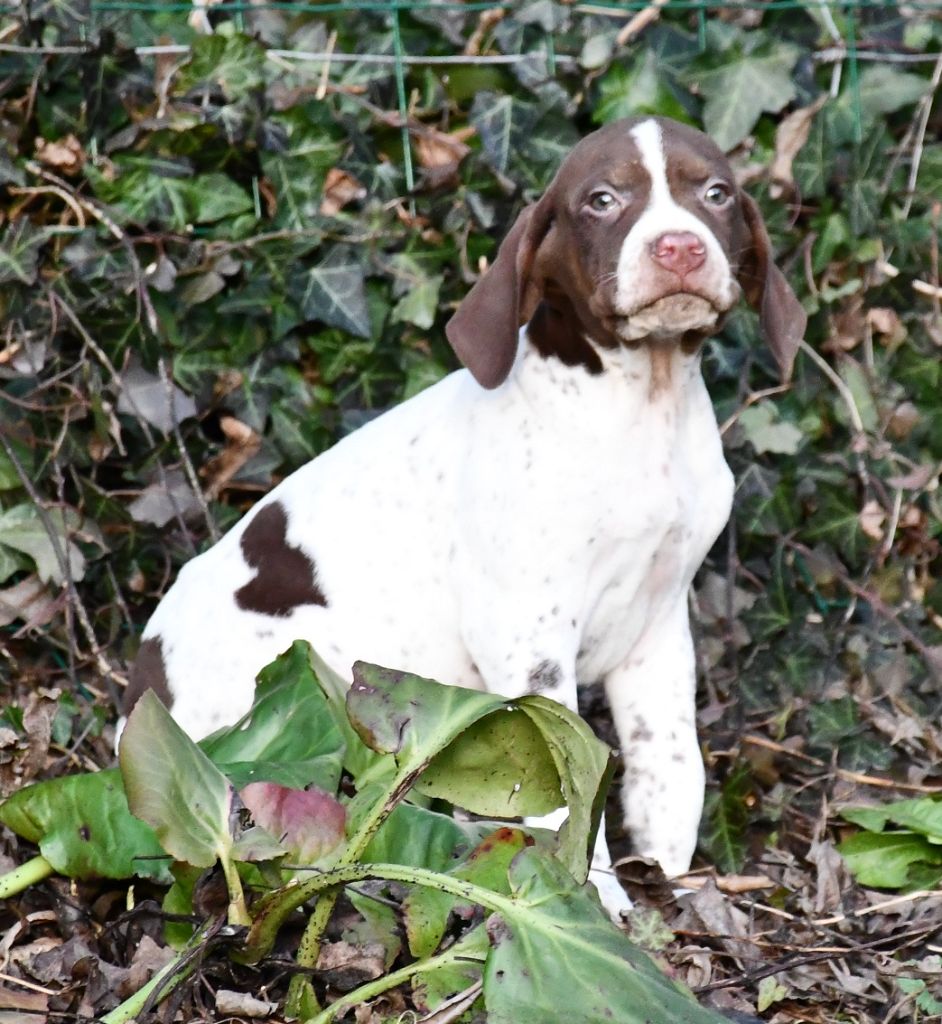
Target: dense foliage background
[216,256]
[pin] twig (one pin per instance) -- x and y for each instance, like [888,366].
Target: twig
[843,773]
[62,560]
[788,963]
[755,396]
[640,21]
[188,467]
[925,105]
[874,908]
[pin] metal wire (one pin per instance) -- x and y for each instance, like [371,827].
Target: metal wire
[844,53]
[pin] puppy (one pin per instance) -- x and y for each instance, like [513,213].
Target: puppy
[535,520]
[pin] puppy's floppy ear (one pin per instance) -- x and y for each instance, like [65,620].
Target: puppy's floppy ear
[781,316]
[483,332]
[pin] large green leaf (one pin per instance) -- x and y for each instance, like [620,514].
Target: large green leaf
[290,735]
[468,745]
[503,122]
[556,957]
[173,786]
[82,826]
[885,859]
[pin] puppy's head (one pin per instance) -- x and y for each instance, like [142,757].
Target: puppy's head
[642,237]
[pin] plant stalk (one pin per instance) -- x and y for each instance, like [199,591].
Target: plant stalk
[461,950]
[33,871]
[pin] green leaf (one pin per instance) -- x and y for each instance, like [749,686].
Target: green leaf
[884,859]
[334,292]
[23,530]
[231,61]
[499,766]
[627,90]
[213,197]
[503,123]
[291,734]
[922,815]
[766,432]
[173,786]
[740,91]
[884,89]
[297,169]
[419,720]
[426,910]
[531,975]
[422,838]
[83,827]
[725,819]
[419,305]
[20,246]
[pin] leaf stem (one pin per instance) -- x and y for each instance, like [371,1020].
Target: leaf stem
[461,950]
[238,912]
[33,871]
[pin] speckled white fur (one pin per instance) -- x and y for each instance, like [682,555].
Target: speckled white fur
[473,536]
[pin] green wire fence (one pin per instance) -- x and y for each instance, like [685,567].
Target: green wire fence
[844,51]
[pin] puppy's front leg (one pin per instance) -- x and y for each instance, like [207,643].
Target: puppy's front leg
[652,697]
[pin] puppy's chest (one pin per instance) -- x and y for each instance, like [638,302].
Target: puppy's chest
[668,505]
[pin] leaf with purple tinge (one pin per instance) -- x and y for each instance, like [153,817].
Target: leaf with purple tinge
[308,822]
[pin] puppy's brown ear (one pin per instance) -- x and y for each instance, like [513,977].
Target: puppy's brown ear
[483,332]
[781,316]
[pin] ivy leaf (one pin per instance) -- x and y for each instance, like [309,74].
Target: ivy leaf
[22,530]
[766,432]
[334,292]
[739,92]
[503,123]
[19,251]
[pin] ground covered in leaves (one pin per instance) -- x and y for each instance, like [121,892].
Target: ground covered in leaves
[216,256]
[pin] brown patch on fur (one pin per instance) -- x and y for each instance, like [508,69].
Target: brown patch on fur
[149,672]
[286,578]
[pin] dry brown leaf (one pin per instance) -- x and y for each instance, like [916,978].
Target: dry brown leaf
[340,189]
[241,1004]
[442,149]
[344,965]
[791,135]
[886,321]
[65,155]
[28,600]
[871,519]
[242,444]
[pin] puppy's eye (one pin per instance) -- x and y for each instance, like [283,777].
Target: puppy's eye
[718,194]
[602,201]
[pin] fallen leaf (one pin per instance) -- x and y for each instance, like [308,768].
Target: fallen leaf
[871,519]
[340,189]
[790,137]
[65,155]
[242,444]
[344,966]
[28,600]
[241,1004]
[164,500]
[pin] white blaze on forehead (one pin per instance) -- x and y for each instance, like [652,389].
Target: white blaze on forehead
[649,141]
[640,282]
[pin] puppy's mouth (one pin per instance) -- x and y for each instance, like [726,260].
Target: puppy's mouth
[669,316]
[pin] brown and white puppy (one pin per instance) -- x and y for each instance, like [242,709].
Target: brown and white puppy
[535,520]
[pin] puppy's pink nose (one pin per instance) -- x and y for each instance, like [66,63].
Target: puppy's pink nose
[679,251]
